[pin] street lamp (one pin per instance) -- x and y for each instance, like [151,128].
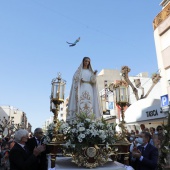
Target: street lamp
[56,98]
[122,98]
[120,90]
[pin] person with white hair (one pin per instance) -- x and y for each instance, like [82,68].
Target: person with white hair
[20,158]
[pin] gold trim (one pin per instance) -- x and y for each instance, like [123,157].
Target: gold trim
[161,16]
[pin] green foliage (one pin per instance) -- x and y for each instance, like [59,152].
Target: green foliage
[165,146]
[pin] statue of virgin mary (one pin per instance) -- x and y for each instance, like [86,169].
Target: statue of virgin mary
[84,95]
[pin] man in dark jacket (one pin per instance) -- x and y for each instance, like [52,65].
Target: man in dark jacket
[145,155]
[20,158]
[36,141]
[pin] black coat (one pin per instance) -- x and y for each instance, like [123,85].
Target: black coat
[42,159]
[150,158]
[20,159]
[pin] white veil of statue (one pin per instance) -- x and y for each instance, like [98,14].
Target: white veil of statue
[84,95]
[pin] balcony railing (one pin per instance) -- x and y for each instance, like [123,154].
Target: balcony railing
[161,16]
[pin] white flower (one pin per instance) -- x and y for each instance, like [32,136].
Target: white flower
[87,120]
[81,129]
[64,125]
[87,131]
[83,135]
[100,124]
[93,132]
[165,131]
[91,126]
[80,140]
[68,143]
[80,125]
[73,145]
[101,131]
[79,136]
[73,130]
[65,131]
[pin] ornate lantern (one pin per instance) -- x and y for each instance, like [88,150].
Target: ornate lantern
[57,97]
[120,89]
[122,94]
[57,90]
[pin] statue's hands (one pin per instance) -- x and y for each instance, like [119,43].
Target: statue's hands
[95,72]
[82,80]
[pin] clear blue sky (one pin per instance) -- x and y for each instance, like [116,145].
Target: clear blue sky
[33,48]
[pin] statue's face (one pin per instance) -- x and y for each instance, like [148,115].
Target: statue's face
[86,63]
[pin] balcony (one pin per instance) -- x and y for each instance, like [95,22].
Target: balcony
[161,16]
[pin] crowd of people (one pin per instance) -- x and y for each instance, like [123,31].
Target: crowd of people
[23,152]
[6,144]
[26,152]
[145,147]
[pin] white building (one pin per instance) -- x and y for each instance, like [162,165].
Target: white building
[47,123]
[161,26]
[14,116]
[151,114]
[138,112]
[114,110]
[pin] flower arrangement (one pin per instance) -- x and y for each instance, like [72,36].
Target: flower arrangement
[86,131]
[85,134]
[89,142]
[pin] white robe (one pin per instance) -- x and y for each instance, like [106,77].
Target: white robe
[84,96]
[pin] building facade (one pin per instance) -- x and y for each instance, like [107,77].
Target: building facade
[112,112]
[13,118]
[161,26]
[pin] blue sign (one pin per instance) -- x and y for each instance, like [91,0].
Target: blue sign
[164,100]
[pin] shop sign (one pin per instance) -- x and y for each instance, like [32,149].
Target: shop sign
[152,113]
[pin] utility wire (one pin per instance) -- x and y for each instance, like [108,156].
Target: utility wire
[73,20]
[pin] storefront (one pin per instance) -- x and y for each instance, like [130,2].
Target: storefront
[145,111]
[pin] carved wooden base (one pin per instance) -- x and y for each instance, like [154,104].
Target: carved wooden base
[54,149]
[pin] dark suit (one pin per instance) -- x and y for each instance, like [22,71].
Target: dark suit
[42,160]
[20,159]
[150,158]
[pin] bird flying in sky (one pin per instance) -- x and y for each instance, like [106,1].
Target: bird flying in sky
[73,44]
